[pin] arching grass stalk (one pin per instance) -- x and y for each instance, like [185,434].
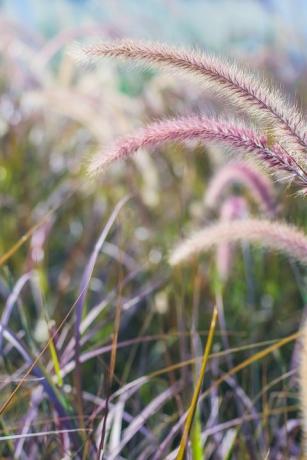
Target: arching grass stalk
[234,136]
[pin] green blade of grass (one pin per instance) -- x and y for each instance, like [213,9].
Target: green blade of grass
[193,405]
[55,362]
[196,443]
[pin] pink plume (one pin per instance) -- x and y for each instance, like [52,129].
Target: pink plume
[272,235]
[240,172]
[240,87]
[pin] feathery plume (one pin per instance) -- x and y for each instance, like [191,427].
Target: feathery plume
[238,86]
[303,386]
[202,128]
[241,172]
[272,235]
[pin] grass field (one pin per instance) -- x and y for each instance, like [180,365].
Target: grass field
[114,344]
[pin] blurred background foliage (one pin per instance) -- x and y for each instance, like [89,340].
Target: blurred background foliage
[53,116]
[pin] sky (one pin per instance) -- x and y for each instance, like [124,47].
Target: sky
[219,25]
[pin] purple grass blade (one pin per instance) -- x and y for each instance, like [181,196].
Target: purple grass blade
[11,301]
[87,274]
[36,398]
[69,352]
[147,412]
[86,277]
[43,433]
[128,305]
[37,372]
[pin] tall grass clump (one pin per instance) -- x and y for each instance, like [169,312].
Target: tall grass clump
[273,135]
[150,310]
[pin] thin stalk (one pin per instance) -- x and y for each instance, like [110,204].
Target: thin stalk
[193,406]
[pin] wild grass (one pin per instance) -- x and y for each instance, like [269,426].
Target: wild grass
[106,347]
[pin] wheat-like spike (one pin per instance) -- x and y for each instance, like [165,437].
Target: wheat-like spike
[242,172]
[205,129]
[303,386]
[240,87]
[272,235]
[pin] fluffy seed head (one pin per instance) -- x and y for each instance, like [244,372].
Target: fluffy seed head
[271,235]
[226,79]
[240,172]
[234,136]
